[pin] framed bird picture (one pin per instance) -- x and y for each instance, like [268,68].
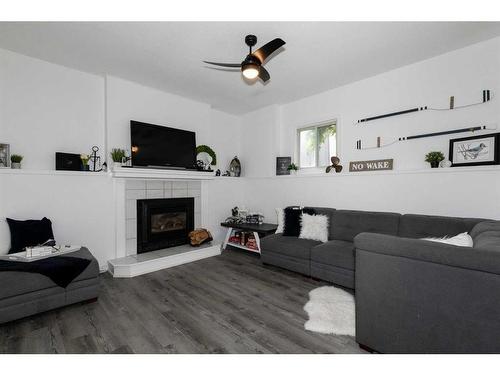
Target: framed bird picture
[476,150]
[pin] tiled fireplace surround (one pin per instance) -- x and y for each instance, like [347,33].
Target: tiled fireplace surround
[151,189]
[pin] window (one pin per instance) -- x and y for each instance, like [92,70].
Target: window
[317,144]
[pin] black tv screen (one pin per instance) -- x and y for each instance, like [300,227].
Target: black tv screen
[160,146]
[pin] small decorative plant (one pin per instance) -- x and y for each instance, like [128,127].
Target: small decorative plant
[293,167]
[16,158]
[16,161]
[117,154]
[85,161]
[434,158]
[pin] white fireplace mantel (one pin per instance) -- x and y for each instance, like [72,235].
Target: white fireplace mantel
[160,174]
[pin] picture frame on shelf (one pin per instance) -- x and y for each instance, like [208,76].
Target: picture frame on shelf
[282,164]
[475,150]
[4,155]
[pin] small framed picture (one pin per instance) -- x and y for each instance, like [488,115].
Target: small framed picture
[476,150]
[282,164]
[4,155]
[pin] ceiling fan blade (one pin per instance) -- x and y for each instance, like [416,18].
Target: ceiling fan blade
[267,49]
[264,74]
[227,65]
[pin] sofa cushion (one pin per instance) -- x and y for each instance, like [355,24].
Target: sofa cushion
[290,246]
[485,226]
[291,225]
[336,253]
[327,212]
[347,224]
[486,235]
[25,233]
[419,226]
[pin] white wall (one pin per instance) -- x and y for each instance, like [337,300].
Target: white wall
[80,207]
[46,108]
[463,73]
[260,145]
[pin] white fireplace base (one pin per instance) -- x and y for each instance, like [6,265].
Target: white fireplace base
[139,264]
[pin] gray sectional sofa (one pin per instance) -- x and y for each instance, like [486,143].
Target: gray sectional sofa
[333,260]
[412,296]
[23,294]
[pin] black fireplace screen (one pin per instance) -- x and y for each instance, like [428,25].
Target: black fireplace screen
[163,223]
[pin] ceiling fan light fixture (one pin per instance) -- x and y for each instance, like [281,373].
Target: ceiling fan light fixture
[250,71]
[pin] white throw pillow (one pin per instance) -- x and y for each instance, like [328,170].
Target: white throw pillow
[462,239]
[314,227]
[280,214]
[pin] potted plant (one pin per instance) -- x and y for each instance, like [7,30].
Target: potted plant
[85,162]
[117,155]
[434,158]
[293,168]
[16,161]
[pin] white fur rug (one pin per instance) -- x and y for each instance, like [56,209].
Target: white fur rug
[331,310]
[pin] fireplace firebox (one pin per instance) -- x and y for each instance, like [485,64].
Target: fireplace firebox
[163,223]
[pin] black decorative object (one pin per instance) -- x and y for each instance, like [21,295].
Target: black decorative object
[28,233]
[217,172]
[282,164]
[235,167]
[443,133]
[436,134]
[476,150]
[416,109]
[486,98]
[95,160]
[68,162]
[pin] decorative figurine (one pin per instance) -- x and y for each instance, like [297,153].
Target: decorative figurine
[235,167]
[95,160]
[335,165]
[217,173]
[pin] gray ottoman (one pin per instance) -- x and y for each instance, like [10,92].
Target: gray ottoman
[23,294]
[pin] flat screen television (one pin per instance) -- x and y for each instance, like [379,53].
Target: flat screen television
[162,147]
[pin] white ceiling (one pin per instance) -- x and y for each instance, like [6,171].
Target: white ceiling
[168,55]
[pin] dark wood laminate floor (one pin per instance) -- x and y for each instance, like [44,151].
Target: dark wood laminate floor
[225,304]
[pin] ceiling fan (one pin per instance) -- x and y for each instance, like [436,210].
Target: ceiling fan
[251,67]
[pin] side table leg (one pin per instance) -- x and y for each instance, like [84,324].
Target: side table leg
[226,240]
[257,240]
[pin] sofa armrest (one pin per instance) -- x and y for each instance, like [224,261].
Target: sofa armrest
[486,260]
